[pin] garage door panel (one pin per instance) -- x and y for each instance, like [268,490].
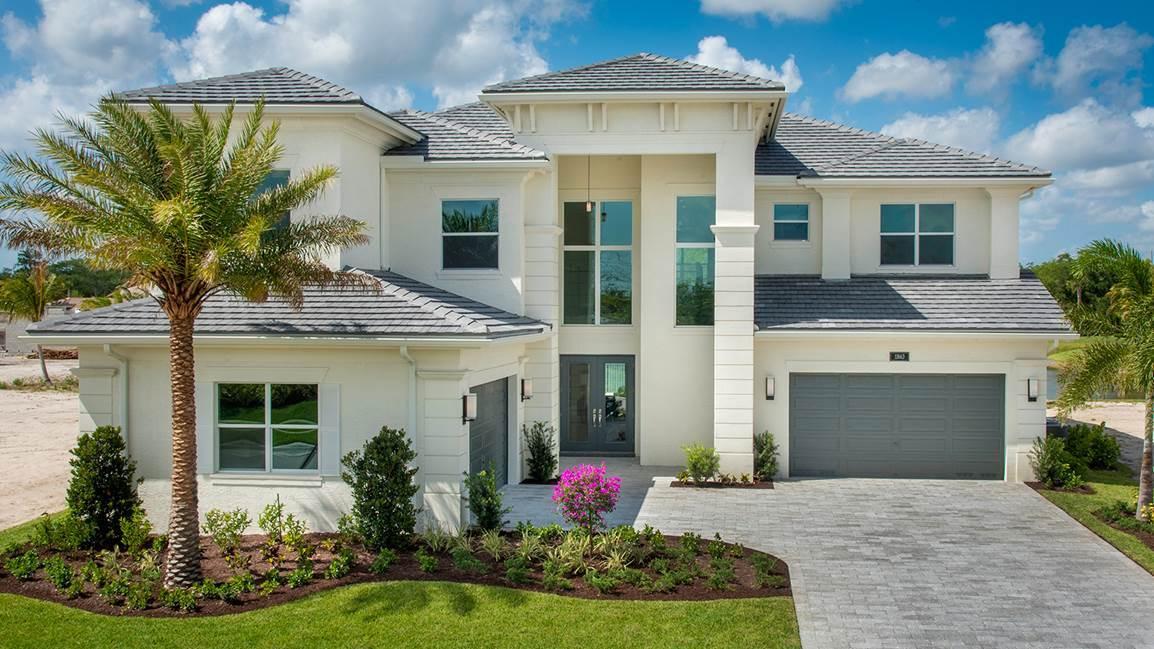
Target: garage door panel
[898,425]
[489,432]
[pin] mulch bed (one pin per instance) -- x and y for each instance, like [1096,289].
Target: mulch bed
[1146,538]
[405,568]
[1084,489]
[722,485]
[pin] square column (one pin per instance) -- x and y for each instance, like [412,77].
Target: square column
[836,251]
[733,383]
[542,301]
[1004,232]
[445,440]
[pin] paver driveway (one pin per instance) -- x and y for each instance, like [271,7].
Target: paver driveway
[909,563]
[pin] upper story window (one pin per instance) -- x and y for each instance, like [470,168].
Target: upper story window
[790,222]
[917,234]
[267,426]
[276,178]
[695,259]
[469,234]
[598,259]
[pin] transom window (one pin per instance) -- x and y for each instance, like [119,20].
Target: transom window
[276,178]
[469,237]
[790,222]
[917,234]
[696,259]
[598,258]
[267,426]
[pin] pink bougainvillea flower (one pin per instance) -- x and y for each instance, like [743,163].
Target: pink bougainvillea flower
[584,494]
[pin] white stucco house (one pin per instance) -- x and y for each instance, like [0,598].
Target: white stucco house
[644,252]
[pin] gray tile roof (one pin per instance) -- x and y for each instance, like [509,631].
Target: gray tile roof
[939,303]
[808,147]
[638,72]
[402,308]
[276,85]
[469,132]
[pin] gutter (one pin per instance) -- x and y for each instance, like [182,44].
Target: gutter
[905,334]
[448,342]
[123,389]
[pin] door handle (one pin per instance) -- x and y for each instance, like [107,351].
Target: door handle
[596,417]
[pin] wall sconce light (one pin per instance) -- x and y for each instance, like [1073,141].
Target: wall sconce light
[1032,390]
[526,389]
[770,388]
[468,408]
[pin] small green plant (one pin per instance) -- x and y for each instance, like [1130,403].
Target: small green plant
[295,531]
[179,599]
[691,543]
[381,478]
[65,534]
[244,582]
[135,531]
[716,548]
[603,583]
[74,589]
[425,561]
[59,573]
[763,572]
[764,456]
[348,530]
[701,462]
[382,561]
[517,569]
[553,577]
[531,547]
[465,561]
[341,564]
[551,532]
[115,588]
[494,545]
[436,539]
[102,489]
[539,444]
[23,567]
[227,527]
[485,502]
[1093,446]
[1053,466]
[139,596]
[301,576]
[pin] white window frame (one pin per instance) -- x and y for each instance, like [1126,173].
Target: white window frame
[268,426]
[440,218]
[596,248]
[678,245]
[917,235]
[773,221]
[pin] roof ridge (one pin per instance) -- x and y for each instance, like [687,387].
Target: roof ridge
[475,132]
[701,67]
[565,71]
[320,83]
[838,126]
[985,157]
[427,302]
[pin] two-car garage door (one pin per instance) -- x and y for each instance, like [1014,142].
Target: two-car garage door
[897,425]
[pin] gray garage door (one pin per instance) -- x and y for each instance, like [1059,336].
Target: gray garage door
[489,433]
[897,425]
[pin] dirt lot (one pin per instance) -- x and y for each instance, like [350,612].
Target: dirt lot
[37,429]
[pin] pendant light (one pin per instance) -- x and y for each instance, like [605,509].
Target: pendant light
[588,183]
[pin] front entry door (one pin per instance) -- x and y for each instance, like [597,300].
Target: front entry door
[598,400]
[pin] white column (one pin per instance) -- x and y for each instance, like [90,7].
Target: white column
[733,312]
[1004,232]
[835,234]
[445,440]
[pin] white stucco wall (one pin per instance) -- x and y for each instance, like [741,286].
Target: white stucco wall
[787,257]
[1017,359]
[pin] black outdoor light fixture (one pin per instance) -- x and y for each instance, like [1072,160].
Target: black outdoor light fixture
[770,388]
[1032,385]
[526,389]
[468,408]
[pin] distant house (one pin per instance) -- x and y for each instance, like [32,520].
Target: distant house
[643,252]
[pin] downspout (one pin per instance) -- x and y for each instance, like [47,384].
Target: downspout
[123,389]
[412,424]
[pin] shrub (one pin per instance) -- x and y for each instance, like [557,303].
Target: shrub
[1093,446]
[179,599]
[485,499]
[138,597]
[517,569]
[701,462]
[493,544]
[64,534]
[381,479]
[1053,465]
[603,583]
[59,573]
[301,576]
[764,457]
[464,560]
[539,444]
[23,567]
[425,561]
[584,494]
[102,490]
[226,528]
[691,543]
[383,560]
[134,531]
[349,530]
[341,565]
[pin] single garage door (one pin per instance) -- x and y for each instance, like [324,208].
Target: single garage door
[897,425]
[489,432]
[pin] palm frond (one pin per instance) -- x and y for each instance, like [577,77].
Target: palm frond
[1099,366]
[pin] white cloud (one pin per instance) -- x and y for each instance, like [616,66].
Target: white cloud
[971,129]
[1087,136]
[1147,222]
[1144,117]
[902,74]
[715,51]
[1102,61]
[1010,48]
[775,10]
[456,46]
[1119,179]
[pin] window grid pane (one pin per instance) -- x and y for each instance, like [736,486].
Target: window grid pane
[616,223]
[897,250]
[597,274]
[936,249]
[463,251]
[695,215]
[469,216]
[579,226]
[790,212]
[579,287]
[695,272]
[791,231]
[898,219]
[616,287]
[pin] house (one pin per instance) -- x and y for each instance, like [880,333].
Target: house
[644,252]
[12,339]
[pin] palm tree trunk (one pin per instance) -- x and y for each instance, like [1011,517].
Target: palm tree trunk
[43,366]
[183,562]
[1145,484]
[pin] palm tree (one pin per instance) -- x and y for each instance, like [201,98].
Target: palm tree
[174,202]
[1122,355]
[26,296]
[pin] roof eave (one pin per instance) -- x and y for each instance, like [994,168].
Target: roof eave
[421,162]
[141,339]
[509,97]
[1028,182]
[985,334]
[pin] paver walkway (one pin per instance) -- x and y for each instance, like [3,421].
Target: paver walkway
[909,563]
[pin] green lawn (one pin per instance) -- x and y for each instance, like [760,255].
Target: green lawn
[1109,487]
[414,614]
[1062,353]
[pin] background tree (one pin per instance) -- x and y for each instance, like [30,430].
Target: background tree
[1121,356]
[27,294]
[174,203]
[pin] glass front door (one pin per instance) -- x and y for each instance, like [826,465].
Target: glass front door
[598,402]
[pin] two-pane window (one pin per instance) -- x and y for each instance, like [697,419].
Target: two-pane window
[267,426]
[469,234]
[791,222]
[276,178]
[598,258]
[695,259]
[917,234]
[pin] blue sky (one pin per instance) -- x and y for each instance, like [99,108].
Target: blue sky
[1065,86]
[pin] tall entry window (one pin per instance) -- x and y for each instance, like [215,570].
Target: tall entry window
[695,259]
[598,263]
